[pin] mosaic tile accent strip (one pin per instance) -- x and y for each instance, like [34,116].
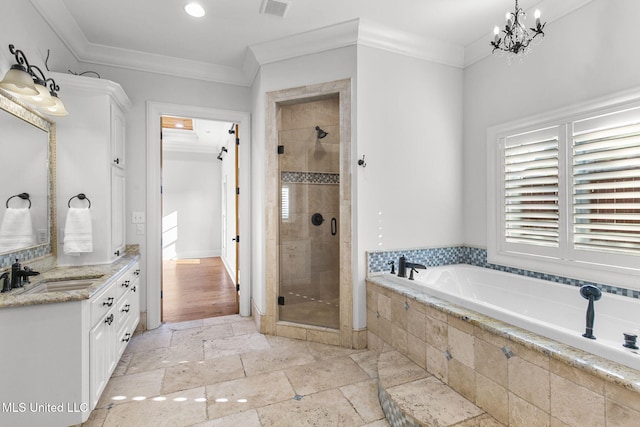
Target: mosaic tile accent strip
[29,253]
[431,257]
[310,178]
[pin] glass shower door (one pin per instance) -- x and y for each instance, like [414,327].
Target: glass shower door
[309,270]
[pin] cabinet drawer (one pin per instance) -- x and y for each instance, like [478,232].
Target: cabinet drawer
[124,310]
[103,302]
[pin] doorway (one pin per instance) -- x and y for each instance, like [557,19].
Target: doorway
[198,269]
[152,263]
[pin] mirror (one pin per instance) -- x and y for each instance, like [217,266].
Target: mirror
[27,141]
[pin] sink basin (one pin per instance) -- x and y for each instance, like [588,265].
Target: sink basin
[60,286]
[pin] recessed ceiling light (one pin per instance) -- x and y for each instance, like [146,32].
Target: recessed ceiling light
[195,10]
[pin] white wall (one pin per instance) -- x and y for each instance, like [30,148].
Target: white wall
[410,131]
[587,54]
[191,202]
[23,27]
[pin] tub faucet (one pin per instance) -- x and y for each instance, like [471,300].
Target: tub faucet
[403,265]
[591,293]
[413,266]
[4,279]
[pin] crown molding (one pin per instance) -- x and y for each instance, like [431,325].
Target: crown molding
[551,12]
[428,49]
[353,32]
[314,41]
[56,14]
[93,85]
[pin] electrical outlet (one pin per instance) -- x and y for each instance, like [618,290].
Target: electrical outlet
[140,229]
[137,217]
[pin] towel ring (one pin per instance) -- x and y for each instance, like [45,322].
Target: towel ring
[23,196]
[80,196]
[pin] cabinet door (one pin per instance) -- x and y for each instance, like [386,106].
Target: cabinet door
[117,137]
[117,211]
[101,355]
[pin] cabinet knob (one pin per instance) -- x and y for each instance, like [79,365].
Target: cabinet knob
[133,289]
[109,319]
[108,302]
[137,272]
[116,161]
[126,283]
[126,308]
[117,253]
[127,337]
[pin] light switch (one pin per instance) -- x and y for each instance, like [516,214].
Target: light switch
[137,217]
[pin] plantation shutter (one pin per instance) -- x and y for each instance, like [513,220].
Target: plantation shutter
[606,182]
[531,213]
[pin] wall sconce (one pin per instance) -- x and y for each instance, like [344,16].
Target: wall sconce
[29,84]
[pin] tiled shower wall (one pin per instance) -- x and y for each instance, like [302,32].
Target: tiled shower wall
[379,262]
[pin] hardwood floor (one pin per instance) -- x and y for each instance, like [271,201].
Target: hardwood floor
[196,289]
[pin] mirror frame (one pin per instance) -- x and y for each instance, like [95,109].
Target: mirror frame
[15,107]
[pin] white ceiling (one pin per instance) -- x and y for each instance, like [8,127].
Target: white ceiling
[233,37]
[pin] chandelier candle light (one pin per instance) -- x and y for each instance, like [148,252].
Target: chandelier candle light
[515,38]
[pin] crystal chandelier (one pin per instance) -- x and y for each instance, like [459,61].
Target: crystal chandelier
[515,39]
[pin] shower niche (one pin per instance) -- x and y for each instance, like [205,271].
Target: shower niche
[309,283]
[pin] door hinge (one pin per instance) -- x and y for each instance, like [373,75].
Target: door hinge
[238,239]
[161,295]
[280,149]
[280,300]
[237,141]
[238,190]
[238,287]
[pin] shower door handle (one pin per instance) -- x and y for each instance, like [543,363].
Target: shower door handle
[334,226]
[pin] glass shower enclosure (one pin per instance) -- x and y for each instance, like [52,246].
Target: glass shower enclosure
[309,229]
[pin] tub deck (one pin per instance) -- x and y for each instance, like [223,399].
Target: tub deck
[508,372]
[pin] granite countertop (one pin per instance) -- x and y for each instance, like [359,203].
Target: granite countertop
[606,369]
[100,274]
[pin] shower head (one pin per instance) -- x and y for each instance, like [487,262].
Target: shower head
[321,133]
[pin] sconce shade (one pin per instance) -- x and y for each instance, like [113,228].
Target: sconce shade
[58,109]
[18,81]
[43,98]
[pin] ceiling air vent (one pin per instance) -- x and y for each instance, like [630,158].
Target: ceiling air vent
[275,7]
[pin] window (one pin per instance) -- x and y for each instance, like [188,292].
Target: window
[564,193]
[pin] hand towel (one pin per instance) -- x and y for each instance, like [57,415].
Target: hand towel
[16,230]
[78,237]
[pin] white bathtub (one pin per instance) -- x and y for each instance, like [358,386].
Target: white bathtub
[549,309]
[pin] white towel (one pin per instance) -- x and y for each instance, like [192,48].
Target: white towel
[16,230]
[78,237]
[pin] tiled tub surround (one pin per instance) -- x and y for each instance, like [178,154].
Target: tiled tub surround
[378,262]
[549,309]
[518,377]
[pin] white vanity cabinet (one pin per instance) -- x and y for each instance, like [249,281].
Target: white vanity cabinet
[91,160]
[57,358]
[114,312]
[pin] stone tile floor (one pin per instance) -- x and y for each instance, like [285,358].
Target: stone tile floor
[222,372]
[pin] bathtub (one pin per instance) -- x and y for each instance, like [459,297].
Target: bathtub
[553,310]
